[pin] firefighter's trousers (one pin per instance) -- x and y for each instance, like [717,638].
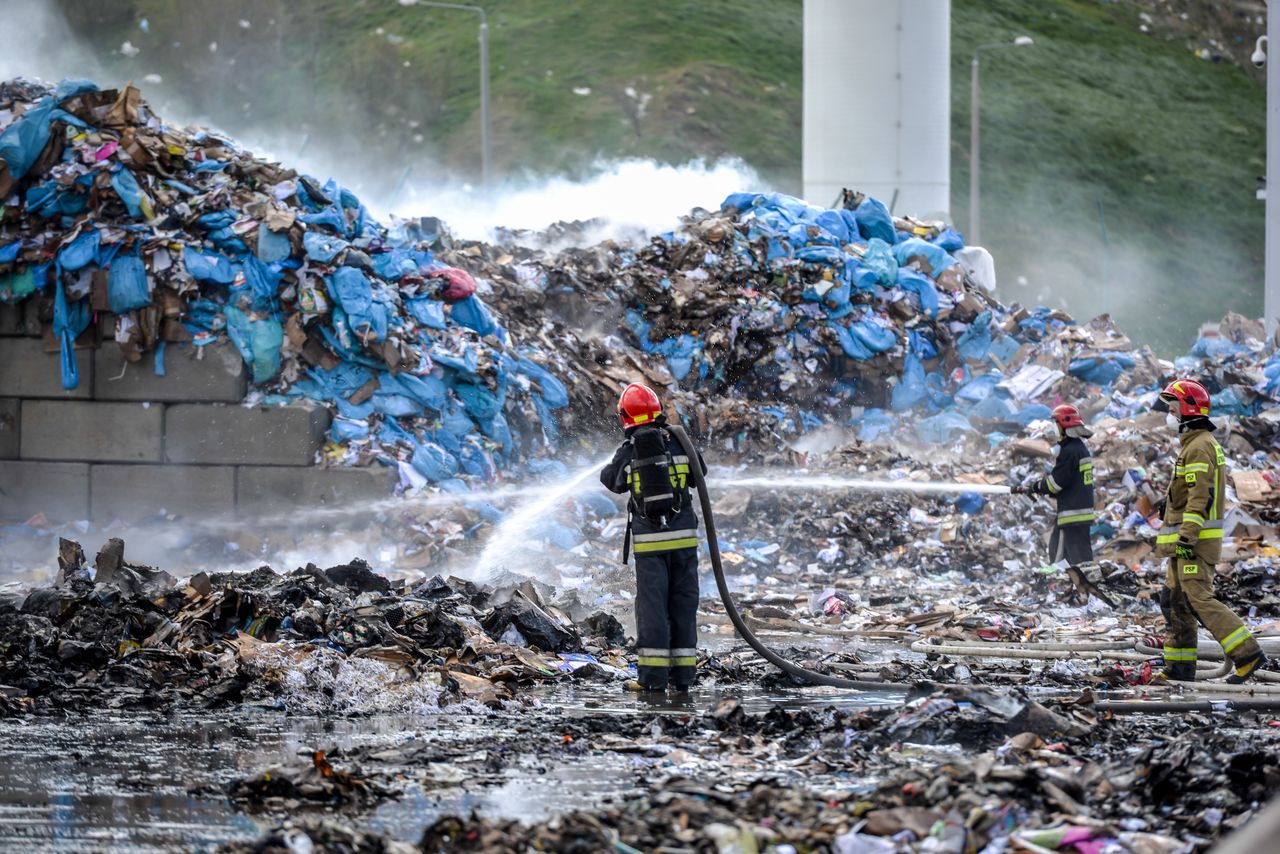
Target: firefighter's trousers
[1188,596]
[667,617]
[1070,542]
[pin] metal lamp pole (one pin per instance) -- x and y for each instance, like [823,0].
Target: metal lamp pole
[486,131]
[1271,222]
[975,137]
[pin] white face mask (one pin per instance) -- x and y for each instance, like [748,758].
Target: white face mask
[1171,420]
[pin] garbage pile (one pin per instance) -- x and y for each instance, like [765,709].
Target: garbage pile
[1027,777]
[125,228]
[343,639]
[764,320]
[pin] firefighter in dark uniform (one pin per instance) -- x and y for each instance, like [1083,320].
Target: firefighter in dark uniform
[1191,537]
[662,529]
[1071,483]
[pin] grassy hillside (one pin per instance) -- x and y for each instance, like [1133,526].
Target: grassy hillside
[1119,169]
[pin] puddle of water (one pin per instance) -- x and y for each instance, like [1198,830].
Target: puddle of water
[123,783]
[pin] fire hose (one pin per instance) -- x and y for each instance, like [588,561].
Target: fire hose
[744,631]
[1121,650]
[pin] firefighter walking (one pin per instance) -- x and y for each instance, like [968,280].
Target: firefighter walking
[662,529]
[1191,537]
[1071,484]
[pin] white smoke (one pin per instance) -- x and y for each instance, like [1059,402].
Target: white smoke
[625,195]
[35,41]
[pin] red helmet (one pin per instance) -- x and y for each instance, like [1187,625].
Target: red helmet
[1191,398]
[638,405]
[1066,416]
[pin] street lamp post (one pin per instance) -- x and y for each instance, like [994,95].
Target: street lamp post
[1271,219]
[486,131]
[975,136]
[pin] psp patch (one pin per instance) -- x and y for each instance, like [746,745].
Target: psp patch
[1190,569]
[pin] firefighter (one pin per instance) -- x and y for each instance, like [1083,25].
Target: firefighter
[1191,537]
[1071,483]
[662,529]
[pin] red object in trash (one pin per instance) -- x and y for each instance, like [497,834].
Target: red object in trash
[458,283]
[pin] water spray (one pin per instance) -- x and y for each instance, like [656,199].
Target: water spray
[826,482]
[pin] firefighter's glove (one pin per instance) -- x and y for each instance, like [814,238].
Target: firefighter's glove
[1184,550]
[1017,489]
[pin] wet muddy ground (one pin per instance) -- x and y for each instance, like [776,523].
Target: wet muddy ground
[141,783]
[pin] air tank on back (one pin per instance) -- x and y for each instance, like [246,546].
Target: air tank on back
[877,102]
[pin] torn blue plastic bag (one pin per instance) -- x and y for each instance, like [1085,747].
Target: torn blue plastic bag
[879,260]
[473,314]
[1103,369]
[922,286]
[975,344]
[208,266]
[258,341]
[23,140]
[434,462]
[910,390]
[941,428]
[135,200]
[934,255]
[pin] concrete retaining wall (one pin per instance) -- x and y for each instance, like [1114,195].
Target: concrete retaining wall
[127,443]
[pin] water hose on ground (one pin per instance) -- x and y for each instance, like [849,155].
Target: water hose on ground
[744,631]
[816,678]
[1117,651]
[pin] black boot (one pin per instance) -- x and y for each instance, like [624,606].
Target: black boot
[1246,669]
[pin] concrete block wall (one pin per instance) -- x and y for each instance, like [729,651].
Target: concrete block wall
[128,444]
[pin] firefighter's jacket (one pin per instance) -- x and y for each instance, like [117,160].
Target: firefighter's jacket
[647,537]
[1197,492]
[1071,483]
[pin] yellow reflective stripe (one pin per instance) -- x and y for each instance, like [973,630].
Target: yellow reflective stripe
[666,545]
[1168,538]
[1086,465]
[1052,484]
[1201,467]
[1210,533]
[1193,517]
[684,661]
[653,661]
[640,419]
[1236,638]
[1080,517]
[1179,654]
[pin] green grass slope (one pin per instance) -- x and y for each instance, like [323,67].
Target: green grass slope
[1119,169]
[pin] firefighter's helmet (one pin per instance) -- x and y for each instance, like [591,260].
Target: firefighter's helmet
[1066,416]
[1186,398]
[638,405]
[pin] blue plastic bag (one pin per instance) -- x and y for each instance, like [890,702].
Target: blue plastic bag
[273,246]
[941,428]
[910,389]
[922,287]
[258,341]
[975,344]
[936,256]
[875,221]
[879,260]
[473,314]
[434,462]
[208,266]
[127,285]
[135,200]
[24,139]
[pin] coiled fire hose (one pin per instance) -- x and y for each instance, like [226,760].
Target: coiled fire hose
[1121,650]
